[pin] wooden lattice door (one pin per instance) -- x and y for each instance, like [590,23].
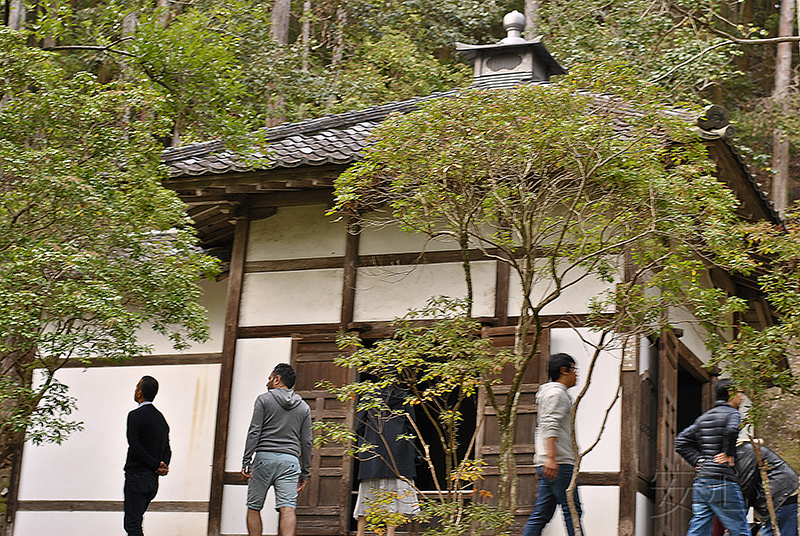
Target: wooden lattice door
[324,506]
[673,474]
[488,440]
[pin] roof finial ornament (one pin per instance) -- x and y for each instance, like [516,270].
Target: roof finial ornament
[513,23]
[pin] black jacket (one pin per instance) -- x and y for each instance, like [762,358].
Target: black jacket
[713,432]
[389,457]
[148,440]
[782,478]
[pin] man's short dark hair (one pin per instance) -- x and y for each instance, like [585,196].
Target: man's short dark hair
[556,362]
[149,387]
[287,374]
[724,388]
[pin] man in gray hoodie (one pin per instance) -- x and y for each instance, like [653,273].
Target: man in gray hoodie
[554,458]
[277,451]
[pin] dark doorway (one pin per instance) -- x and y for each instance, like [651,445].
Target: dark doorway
[690,398]
[424,480]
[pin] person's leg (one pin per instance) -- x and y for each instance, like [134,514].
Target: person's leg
[361,526]
[390,530]
[288,522]
[544,508]
[560,486]
[787,519]
[702,514]
[726,501]
[257,487]
[139,491]
[254,527]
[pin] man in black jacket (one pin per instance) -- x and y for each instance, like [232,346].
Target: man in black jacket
[709,445]
[148,455]
[782,485]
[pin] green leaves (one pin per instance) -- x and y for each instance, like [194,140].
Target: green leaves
[92,247]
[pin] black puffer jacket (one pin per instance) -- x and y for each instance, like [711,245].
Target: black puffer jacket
[713,432]
[782,478]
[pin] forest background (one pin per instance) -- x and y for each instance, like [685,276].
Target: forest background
[223,68]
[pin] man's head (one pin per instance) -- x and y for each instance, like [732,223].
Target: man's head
[283,375]
[561,368]
[146,389]
[727,392]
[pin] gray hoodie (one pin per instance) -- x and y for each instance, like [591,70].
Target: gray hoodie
[554,419]
[281,423]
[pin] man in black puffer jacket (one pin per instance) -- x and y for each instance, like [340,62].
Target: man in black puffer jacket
[715,491]
[782,484]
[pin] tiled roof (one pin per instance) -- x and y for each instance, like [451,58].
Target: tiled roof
[332,139]
[339,139]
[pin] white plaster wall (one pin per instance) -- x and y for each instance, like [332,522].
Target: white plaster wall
[255,359]
[296,297]
[605,380]
[694,335]
[377,238]
[214,301]
[645,522]
[384,293]
[600,512]
[107,523]
[573,300]
[89,465]
[296,233]
[234,511]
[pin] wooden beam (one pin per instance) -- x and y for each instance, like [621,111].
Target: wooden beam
[109,506]
[288,199]
[292,265]
[232,307]
[150,360]
[265,332]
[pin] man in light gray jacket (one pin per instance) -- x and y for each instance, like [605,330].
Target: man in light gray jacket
[554,458]
[277,451]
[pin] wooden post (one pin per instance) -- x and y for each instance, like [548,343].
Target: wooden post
[233,301]
[629,444]
[13,496]
[350,272]
[630,428]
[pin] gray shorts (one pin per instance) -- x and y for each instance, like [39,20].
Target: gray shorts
[273,469]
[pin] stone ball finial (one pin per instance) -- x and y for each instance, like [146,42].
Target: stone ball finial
[514,23]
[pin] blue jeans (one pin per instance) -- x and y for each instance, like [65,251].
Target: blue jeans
[549,494]
[721,498]
[787,521]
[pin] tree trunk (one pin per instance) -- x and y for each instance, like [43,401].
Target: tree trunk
[162,7]
[783,72]
[762,468]
[16,14]
[338,50]
[279,32]
[306,33]
[532,19]
[280,21]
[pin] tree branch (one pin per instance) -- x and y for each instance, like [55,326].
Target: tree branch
[107,48]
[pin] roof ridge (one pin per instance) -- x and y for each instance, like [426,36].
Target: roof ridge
[371,113]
